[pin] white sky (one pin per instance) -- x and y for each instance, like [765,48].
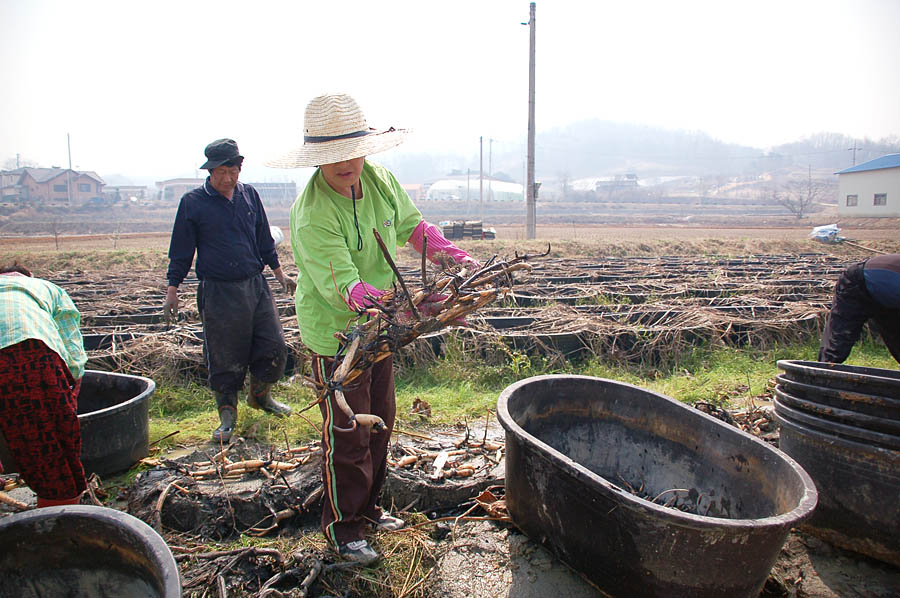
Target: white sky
[143,86]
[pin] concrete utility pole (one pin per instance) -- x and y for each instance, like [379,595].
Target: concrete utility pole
[468,176]
[481,175]
[490,167]
[530,220]
[809,193]
[854,148]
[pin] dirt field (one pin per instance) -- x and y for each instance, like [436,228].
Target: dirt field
[487,559]
[602,235]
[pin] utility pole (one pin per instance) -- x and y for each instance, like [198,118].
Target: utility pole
[69,173]
[468,174]
[481,176]
[854,148]
[530,220]
[490,168]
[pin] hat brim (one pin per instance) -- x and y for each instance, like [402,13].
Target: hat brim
[338,150]
[211,164]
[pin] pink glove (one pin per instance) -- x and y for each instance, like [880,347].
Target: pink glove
[437,243]
[431,306]
[357,297]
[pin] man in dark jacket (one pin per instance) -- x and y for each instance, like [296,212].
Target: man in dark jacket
[867,291]
[225,223]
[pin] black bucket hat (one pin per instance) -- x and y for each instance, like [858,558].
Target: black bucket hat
[221,151]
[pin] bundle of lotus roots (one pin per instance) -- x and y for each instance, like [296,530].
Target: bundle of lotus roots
[403,314]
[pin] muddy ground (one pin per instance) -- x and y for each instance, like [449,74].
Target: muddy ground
[467,558]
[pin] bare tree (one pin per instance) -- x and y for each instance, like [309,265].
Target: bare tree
[797,196]
[55,230]
[117,231]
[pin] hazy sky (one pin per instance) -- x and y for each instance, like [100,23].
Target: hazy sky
[143,86]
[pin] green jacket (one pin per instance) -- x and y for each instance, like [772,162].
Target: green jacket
[324,241]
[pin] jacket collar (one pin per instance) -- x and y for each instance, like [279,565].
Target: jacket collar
[211,192]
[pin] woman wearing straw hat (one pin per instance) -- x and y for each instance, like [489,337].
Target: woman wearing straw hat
[341,270]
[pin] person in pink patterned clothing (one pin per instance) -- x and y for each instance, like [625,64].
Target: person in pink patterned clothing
[41,364]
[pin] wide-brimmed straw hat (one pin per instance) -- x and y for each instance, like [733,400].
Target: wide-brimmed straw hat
[334,130]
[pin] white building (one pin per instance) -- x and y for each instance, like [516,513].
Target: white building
[870,189]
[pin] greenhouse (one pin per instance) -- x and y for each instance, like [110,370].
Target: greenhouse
[494,190]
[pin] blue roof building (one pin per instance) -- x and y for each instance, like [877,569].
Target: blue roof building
[870,189]
[888,161]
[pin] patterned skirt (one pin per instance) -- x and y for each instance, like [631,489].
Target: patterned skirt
[39,419]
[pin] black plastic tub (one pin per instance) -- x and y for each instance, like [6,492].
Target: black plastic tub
[841,416]
[858,402]
[873,381]
[836,428]
[113,410]
[859,489]
[82,550]
[586,457]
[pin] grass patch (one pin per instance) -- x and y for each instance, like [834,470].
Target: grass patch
[461,385]
[190,409]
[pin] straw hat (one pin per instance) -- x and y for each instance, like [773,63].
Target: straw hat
[334,130]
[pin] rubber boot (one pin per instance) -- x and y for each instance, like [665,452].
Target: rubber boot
[260,397]
[227,404]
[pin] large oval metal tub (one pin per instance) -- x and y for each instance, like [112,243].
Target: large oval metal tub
[859,486]
[114,413]
[576,448]
[79,550]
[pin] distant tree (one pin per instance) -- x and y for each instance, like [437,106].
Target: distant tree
[10,164]
[564,185]
[798,196]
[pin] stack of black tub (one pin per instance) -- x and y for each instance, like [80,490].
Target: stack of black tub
[842,424]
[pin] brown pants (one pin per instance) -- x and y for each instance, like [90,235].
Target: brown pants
[354,463]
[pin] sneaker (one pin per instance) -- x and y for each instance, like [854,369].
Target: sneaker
[388,523]
[358,551]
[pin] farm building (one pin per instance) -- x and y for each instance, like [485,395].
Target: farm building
[51,184]
[493,190]
[870,189]
[173,189]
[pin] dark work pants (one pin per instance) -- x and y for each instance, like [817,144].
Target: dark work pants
[354,463]
[241,329]
[851,308]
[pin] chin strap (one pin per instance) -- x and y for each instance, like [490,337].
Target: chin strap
[359,243]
